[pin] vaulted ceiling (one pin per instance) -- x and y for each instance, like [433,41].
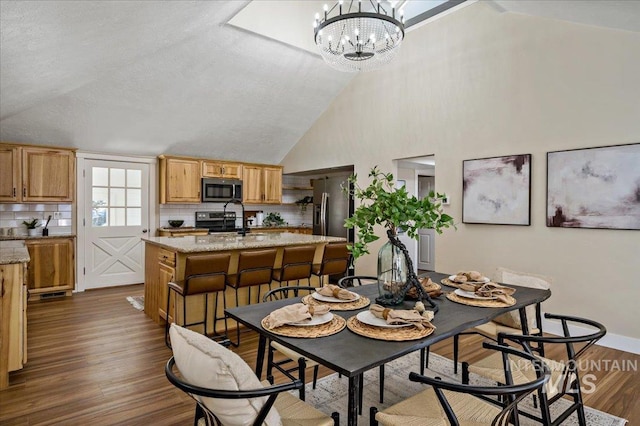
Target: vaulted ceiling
[151,77]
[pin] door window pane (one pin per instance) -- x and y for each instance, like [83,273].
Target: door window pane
[99,217]
[134,197]
[116,217]
[117,197]
[117,177]
[134,178]
[100,176]
[134,216]
[100,197]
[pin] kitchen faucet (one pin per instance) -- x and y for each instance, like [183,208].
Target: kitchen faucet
[243,230]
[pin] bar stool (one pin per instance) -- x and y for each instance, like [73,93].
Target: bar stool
[296,264]
[335,260]
[204,274]
[254,269]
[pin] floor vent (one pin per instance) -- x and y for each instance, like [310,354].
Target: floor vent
[45,296]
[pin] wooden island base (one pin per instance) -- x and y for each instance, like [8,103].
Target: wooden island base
[165,259]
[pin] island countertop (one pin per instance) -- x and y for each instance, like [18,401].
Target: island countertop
[224,242]
[13,252]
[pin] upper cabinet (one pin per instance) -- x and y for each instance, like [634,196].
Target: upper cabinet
[36,175]
[10,178]
[261,184]
[217,169]
[180,180]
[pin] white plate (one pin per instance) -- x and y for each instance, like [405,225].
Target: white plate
[483,280]
[471,295]
[315,320]
[368,318]
[322,298]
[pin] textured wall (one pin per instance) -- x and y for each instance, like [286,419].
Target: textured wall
[479,83]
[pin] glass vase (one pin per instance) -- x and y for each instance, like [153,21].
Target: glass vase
[392,275]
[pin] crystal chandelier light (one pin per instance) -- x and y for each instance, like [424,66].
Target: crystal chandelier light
[351,39]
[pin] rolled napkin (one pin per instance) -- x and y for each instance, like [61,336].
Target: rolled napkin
[495,290]
[428,286]
[291,314]
[402,316]
[335,291]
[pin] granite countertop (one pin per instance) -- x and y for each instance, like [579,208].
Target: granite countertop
[282,226]
[182,229]
[223,242]
[36,237]
[13,252]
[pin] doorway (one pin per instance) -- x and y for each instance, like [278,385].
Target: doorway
[426,237]
[112,217]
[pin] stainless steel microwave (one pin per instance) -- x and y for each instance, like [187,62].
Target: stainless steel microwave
[221,190]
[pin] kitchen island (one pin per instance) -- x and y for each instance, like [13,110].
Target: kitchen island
[165,259]
[13,308]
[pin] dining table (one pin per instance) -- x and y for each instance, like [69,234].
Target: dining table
[351,354]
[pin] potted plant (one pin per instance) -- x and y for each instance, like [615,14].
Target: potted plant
[273,219]
[31,226]
[382,203]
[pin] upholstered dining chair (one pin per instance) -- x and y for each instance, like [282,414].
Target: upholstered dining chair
[459,404]
[565,378]
[510,322]
[226,390]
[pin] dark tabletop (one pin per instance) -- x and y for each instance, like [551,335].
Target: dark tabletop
[351,354]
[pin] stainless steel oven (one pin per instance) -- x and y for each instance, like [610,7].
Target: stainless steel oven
[216,221]
[221,190]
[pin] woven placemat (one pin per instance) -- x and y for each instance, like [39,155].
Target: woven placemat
[481,303]
[309,332]
[362,302]
[390,334]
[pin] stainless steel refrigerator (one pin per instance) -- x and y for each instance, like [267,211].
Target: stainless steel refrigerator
[331,206]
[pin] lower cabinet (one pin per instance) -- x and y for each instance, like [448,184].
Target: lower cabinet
[13,321]
[51,269]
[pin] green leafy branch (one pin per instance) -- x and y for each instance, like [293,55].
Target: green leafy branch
[381,203]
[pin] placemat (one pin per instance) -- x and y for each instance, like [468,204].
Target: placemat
[389,334]
[310,332]
[362,302]
[481,303]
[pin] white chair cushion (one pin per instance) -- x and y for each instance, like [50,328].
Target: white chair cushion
[292,355]
[205,363]
[507,276]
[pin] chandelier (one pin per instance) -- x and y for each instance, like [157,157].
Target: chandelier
[356,40]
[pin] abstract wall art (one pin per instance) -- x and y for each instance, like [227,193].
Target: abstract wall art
[497,190]
[594,187]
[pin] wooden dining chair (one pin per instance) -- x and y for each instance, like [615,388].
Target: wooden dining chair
[453,403]
[565,377]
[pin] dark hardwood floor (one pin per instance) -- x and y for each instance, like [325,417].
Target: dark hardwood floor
[93,359]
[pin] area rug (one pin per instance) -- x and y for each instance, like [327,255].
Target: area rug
[137,302]
[331,392]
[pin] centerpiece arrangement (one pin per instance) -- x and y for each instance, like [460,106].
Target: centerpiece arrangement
[382,203]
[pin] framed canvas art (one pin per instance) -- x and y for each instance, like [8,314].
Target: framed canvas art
[497,190]
[594,187]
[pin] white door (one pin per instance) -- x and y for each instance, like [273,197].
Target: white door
[426,237]
[116,215]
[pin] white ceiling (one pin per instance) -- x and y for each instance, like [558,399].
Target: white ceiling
[151,77]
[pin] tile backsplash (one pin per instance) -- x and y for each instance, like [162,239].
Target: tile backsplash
[12,215]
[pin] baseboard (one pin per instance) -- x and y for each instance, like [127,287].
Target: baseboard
[610,340]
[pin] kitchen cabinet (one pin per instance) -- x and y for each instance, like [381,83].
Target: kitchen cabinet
[36,174]
[51,268]
[13,320]
[180,180]
[217,169]
[261,184]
